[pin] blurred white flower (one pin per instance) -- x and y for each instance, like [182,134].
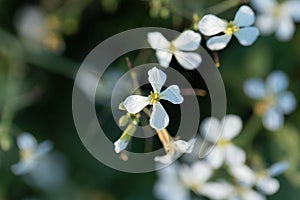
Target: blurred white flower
[186,41]
[30,153]
[33,24]
[263,179]
[159,118]
[274,101]
[240,27]
[175,149]
[277,17]
[245,193]
[169,186]
[221,134]
[41,178]
[195,178]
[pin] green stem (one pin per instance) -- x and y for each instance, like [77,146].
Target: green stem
[252,128]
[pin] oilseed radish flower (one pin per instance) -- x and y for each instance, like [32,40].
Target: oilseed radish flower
[241,27]
[180,47]
[159,118]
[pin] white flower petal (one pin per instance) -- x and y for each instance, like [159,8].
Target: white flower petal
[277,81]
[188,60]
[268,186]
[182,146]
[211,129]
[263,6]
[273,120]
[120,145]
[287,102]
[22,167]
[159,118]
[136,103]
[244,16]
[215,190]
[211,25]
[231,126]
[286,29]
[235,155]
[216,157]
[293,7]
[187,41]
[157,79]
[172,94]
[43,148]
[278,168]
[158,41]
[26,141]
[255,88]
[164,57]
[247,36]
[243,174]
[165,159]
[218,42]
[249,194]
[201,171]
[266,23]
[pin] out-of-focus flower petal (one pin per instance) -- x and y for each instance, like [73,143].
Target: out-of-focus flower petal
[158,41]
[244,16]
[263,6]
[165,159]
[266,24]
[235,155]
[26,141]
[187,41]
[212,25]
[273,120]
[268,185]
[255,88]
[218,42]
[172,94]
[43,148]
[247,36]
[157,79]
[135,103]
[215,190]
[243,174]
[277,81]
[286,29]
[159,118]
[216,157]
[287,102]
[293,7]
[231,126]
[164,57]
[278,168]
[211,129]
[249,194]
[188,60]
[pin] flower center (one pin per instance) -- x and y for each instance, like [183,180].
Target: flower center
[231,28]
[172,48]
[154,97]
[223,142]
[277,11]
[26,154]
[261,107]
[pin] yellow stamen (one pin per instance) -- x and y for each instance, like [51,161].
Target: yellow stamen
[231,28]
[154,97]
[223,142]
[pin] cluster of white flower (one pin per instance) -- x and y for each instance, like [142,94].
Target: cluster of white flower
[199,177]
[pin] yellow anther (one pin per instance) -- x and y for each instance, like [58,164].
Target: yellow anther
[231,28]
[154,97]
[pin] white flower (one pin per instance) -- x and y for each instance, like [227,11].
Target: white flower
[175,149]
[30,153]
[159,118]
[221,134]
[273,99]
[263,180]
[169,186]
[240,27]
[186,41]
[246,193]
[196,177]
[120,145]
[277,17]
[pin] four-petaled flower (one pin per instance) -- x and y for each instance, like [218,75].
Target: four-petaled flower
[159,118]
[221,134]
[186,41]
[273,99]
[30,153]
[240,27]
[277,17]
